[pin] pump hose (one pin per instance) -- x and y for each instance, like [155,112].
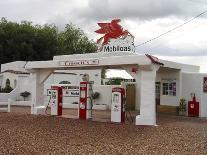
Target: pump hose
[130,115]
[91,106]
[47,106]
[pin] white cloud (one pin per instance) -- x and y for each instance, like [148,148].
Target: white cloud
[148,9]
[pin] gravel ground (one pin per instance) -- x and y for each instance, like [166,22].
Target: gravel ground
[22,133]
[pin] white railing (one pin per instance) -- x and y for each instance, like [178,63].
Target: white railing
[12,95]
[8,107]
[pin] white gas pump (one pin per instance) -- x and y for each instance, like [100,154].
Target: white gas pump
[118,105]
[55,94]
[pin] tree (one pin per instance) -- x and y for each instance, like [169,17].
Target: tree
[27,42]
[103,74]
[114,81]
[23,41]
[7,88]
[73,41]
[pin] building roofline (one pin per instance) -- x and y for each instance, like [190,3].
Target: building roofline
[14,72]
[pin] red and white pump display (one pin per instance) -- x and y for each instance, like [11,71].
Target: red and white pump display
[118,105]
[85,105]
[55,94]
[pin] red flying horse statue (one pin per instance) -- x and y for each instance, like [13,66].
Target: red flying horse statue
[111,31]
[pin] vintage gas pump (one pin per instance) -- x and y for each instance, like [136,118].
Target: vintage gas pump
[118,105]
[55,94]
[85,105]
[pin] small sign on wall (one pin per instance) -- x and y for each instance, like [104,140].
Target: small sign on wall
[70,91]
[205,84]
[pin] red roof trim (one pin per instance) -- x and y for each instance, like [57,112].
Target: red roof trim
[154,60]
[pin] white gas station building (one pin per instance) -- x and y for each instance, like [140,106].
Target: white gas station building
[172,80]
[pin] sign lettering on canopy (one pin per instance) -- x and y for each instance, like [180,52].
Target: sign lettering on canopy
[115,39]
[79,62]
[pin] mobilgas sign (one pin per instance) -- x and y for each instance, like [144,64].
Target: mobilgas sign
[115,38]
[117,48]
[119,45]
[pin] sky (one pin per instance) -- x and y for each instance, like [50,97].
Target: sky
[145,19]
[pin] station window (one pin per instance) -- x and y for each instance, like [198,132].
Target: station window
[165,88]
[169,88]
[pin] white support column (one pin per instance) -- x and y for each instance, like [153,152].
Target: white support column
[37,81]
[147,98]
[145,94]
[136,77]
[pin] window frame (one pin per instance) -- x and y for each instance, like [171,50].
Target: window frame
[169,88]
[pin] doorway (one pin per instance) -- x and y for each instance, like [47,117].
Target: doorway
[157,93]
[130,96]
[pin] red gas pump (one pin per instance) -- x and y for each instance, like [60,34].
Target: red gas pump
[85,105]
[118,105]
[193,108]
[56,99]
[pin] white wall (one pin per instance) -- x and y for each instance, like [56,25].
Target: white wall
[105,94]
[15,66]
[74,76]
[9,76]
[56,78]
[24,84]
[17,103]
[203,109]
[24,81]
[193,83]
[66,100]
[94,75]
[13,95]
[180,66]
[104,98]
[169,74]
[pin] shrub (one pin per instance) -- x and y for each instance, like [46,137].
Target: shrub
[25,94]
[114,81]
[95,96]
[7,88]
[64,82]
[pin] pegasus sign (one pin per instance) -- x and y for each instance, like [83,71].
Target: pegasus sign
[115,38]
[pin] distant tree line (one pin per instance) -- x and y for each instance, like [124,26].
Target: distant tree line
[28,42]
